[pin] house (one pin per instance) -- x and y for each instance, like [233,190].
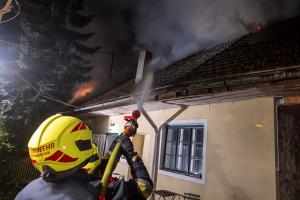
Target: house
[221,123]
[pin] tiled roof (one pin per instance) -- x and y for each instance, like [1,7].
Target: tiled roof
[271,49]
[179,69]
[161,78]
[122,91]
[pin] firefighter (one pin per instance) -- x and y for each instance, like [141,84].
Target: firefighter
[61,149]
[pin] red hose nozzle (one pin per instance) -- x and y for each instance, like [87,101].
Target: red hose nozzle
[134,115]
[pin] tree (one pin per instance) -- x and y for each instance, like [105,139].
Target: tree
[6,142]
[50,60]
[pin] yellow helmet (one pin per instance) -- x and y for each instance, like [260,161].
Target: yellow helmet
[96,166]
[94,161]
[61,145]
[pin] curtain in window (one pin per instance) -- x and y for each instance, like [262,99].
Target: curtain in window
[196,151]
[183,150]
[99,139]
[170,151]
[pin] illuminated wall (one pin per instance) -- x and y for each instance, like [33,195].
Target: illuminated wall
[240,153]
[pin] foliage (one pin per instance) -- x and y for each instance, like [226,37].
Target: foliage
[49,57]
[6,145]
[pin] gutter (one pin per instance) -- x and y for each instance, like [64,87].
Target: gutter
[103,106]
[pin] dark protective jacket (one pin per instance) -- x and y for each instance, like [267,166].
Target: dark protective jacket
[77,186]
[63,190]
[77,189]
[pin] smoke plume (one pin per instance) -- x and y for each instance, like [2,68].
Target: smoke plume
[171,29]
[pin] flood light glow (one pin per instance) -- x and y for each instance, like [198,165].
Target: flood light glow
[259,125]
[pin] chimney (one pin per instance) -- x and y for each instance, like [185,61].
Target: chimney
[144,59]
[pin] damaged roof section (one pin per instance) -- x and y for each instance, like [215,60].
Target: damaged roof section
[266,63]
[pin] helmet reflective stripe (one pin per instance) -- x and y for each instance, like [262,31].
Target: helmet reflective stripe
[79,126]
[60,157]
[54,156]
[76,128]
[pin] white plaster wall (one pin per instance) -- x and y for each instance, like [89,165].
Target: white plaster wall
[240,159]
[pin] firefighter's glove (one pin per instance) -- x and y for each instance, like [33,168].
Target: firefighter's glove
[126,146]
[131,127]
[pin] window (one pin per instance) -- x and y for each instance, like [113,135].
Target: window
[99,139]
[183,150]
[110,137]
[104,141]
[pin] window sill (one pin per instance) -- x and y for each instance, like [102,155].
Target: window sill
[181,176]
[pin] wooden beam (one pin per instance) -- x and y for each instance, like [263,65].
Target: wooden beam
[290,100]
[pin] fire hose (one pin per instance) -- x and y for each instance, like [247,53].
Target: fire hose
[114,157]
[109,168]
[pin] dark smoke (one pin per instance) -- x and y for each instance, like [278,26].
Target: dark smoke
[171,29]
[112,26]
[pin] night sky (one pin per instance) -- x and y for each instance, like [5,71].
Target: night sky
[113,28]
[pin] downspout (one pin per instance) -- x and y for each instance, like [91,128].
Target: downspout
[155,132]
[156,147]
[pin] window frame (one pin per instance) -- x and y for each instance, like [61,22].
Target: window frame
[163,142]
